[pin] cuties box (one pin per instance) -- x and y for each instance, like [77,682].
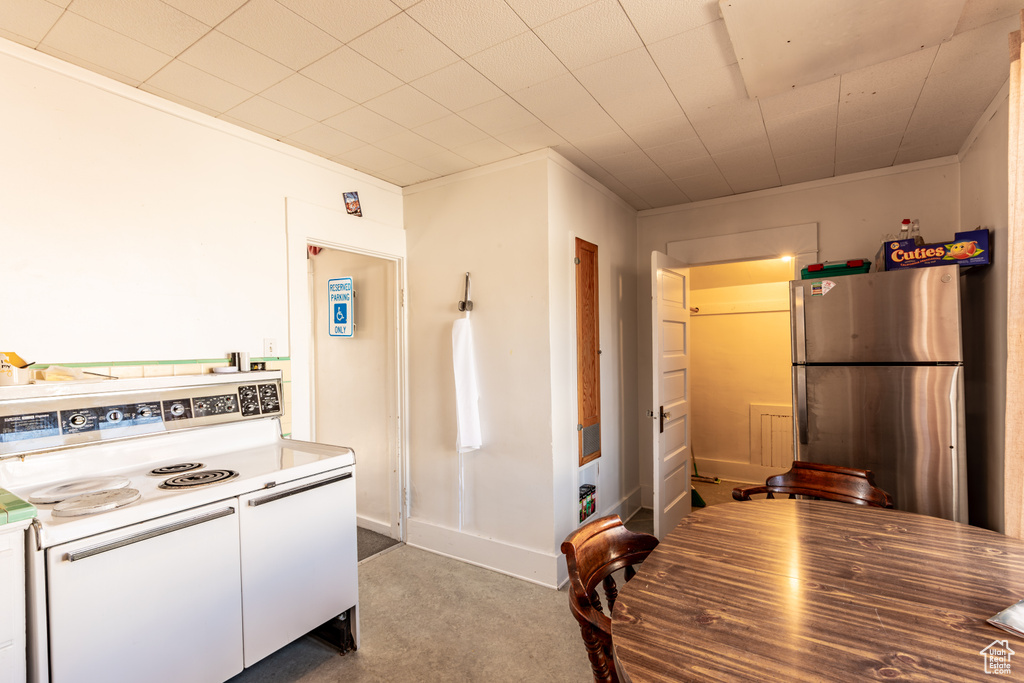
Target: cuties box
[967,249]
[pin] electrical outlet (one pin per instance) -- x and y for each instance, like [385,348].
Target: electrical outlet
[269,347]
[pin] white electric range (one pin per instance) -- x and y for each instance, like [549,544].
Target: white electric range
[179,537]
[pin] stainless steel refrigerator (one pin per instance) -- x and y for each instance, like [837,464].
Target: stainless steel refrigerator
[878,382]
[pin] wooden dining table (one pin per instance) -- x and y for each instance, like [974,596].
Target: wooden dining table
[805,590]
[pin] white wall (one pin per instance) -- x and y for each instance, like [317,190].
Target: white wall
[983,202]
[512,226]
[135,229]
[580,207]
[852,213]
[492,224]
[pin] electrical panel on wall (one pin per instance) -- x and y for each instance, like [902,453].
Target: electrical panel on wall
[588,351]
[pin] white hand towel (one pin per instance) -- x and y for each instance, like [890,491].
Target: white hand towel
[466,395]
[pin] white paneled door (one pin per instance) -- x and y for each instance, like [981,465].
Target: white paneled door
[670,295]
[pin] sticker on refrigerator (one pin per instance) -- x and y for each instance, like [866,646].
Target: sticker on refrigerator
[340,302]
[821,288]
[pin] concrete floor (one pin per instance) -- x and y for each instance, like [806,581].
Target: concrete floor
[430,618]
[425,617]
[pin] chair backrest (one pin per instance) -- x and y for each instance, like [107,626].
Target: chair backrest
[593,552]
[823,482]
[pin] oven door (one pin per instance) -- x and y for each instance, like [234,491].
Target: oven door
[298,559]
[157,601]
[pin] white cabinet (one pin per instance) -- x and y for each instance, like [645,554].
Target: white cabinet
[12,602]
[299,563]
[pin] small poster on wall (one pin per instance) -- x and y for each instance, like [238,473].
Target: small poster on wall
[341,311]
[352,203]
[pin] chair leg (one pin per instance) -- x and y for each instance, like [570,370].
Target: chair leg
[598,659]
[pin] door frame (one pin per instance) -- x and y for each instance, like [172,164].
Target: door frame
[309,224]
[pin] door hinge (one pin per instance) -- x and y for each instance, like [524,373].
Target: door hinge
[401,297]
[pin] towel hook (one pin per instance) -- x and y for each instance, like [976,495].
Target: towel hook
[466,305]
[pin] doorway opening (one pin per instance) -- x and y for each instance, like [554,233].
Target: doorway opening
[355,376]
[741,365]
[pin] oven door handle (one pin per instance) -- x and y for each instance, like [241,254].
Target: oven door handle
[76,555]
[298,489]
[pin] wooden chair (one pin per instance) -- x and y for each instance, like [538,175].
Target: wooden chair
[822,482]
[592,553]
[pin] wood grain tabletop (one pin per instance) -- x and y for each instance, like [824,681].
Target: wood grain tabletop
[802,590]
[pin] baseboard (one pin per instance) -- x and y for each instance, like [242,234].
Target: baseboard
[523,563]
[373,525]
[625,507]
[745,473]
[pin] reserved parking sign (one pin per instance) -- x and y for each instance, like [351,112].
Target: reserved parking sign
[340,306]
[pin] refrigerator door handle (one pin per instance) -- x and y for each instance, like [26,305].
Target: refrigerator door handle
[798,326]
[801,402]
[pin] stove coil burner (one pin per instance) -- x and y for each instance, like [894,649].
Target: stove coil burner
[175,469]
[201,478]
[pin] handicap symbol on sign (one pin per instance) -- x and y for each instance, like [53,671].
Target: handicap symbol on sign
[341,314]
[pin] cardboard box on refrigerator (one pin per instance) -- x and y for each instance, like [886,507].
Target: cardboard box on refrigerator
[967,249]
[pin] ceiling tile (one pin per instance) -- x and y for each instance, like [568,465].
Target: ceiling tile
[946,133]
[933,149]
[606,145]
[272,29]
[699,188]
[690,148]
[811,165]
[803,131]
[500,115]
[210,12]
[517,63]
[171,97]
[188,83]
[306,96]
[622,81]
[324,140]
[364,124]
[567,108]
[344,19]
[407,174]
[656,21]
[270,116]
[457,86]
[485,151]
[656,133]
[226,58]
[980,12]
[151,22]
[451,131]
[804,98]
[405,4]
[404,48]
[689,167]
[77,40]
[537,12]
[893,123]
[347,72]
[407,106]
[28,19]
[730,126]
[446,163]
[860,147]
[845,167]
[409,146]
[530,138]
[369,159]
[631,163]
[578,158]
[904,73]
[700,67]
[465,27]
[748,169]
[662,194]
[590,34]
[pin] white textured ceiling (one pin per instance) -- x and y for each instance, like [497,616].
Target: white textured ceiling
[647,96]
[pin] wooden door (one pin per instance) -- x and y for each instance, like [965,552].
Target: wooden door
[588,352]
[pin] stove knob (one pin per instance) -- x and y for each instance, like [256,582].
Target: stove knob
[177,410]
[77,420]
[250,408]
[145,411]
[115,416]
